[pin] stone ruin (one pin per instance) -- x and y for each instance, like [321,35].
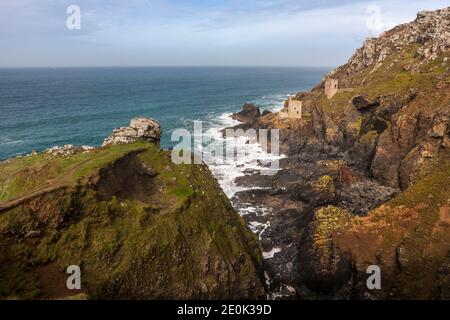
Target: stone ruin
[292,109]
[332,87]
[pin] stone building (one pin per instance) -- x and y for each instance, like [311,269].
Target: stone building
[331,87]
[292,109]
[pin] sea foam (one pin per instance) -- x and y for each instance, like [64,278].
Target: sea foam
[226,173]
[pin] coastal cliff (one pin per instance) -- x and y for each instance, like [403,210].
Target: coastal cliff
[138,226]
[364,181]
[366,177]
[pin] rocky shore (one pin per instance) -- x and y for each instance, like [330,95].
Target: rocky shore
[360,184]
[364,182]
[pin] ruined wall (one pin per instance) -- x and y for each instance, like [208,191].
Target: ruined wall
[331,87]
[293,109]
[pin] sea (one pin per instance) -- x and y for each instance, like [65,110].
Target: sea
[44,107]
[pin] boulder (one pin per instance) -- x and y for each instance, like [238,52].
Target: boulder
[249,114]
[439,130]
[140,129]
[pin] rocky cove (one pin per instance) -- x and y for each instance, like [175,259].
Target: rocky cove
[363,181]
[366,174]
[280,208]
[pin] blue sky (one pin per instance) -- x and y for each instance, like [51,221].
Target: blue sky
[195,32]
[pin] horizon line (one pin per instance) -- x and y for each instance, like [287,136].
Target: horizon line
[164,66]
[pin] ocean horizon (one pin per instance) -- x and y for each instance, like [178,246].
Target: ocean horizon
[44,107]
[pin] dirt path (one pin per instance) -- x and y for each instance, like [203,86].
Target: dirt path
[61,183]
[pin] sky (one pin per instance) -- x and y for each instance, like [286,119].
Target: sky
[34,33]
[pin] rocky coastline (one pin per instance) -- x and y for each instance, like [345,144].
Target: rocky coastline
[137,225]
[354,159]
[365,182]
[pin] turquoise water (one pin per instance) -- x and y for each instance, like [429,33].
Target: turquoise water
[40,108]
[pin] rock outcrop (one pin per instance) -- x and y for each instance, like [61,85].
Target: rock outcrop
[140,129]
[430,32]
[66,150]
[249,114]
[408,238]
[375,157]
[325,270]
[137,225]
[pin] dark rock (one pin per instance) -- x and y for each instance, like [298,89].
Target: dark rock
[362,196]
[360,103]
[324,269]
[249,114]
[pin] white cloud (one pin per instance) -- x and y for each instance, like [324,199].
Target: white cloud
[148,32]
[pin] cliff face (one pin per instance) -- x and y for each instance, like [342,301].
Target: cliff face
[408,237]
[377,149]
[404,77]
[138,226]
[430,31]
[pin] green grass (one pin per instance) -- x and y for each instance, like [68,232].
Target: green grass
[369,138]
[187,222]
[432,190]
[24,175]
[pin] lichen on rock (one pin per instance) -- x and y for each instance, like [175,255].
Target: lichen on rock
[140,129]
